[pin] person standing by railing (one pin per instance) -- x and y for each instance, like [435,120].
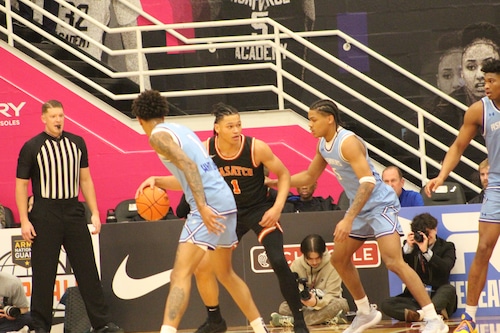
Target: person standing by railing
[48,25]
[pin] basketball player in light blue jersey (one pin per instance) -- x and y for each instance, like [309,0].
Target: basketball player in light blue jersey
[211,225]
[484,116]
[373,212]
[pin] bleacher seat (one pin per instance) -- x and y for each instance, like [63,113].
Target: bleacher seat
[450,193]
[343,201]
[9,219]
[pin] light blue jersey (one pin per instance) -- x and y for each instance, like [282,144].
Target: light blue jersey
[217,194]
[490,210]
[379,215]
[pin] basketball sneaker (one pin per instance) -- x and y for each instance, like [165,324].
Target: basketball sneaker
[278,320]
[435,326]
[363,321]
[467,325]
[211,327]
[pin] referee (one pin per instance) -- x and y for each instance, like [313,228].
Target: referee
[56,162]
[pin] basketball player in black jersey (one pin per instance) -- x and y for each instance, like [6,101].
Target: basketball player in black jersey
[241,162]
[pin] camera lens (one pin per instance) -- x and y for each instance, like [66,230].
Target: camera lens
[12,311]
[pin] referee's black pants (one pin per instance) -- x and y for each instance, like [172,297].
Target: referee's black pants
[56,223]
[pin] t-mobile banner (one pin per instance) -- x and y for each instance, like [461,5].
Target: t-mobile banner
[459,224]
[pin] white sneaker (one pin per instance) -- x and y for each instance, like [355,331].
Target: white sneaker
[435,326]
[363,321]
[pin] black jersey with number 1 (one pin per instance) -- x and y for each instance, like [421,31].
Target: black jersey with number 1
[244,177]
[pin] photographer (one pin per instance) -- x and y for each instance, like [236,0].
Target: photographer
[322,297]
[14,305]
[432,258]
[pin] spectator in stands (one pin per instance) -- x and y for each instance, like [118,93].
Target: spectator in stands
[13,299]
[323,299]
[393,177]
[48,25]
[483,169]
[432,258]
[305,201]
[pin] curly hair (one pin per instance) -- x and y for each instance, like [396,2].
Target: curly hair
[491,66]
[149,105]
[423,221]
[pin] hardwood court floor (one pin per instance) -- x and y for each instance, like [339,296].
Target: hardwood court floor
[489,324]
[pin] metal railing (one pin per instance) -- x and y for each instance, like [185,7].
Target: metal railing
[273,40]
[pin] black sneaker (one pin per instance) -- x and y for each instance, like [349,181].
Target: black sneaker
[211,327]
[109,328]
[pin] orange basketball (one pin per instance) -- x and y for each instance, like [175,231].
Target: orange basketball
[152,204]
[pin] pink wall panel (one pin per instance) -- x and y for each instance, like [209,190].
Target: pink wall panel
[120,158]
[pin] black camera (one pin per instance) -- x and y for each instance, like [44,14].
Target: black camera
[305,294]
[418,237]
[11,311]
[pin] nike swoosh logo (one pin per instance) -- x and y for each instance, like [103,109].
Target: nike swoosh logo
[212,156]
[127,288]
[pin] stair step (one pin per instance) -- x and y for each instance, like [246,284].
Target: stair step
[77,65]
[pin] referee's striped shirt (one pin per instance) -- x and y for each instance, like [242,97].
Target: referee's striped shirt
[53,165]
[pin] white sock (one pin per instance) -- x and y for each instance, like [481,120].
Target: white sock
[471,311]
[363,305]
[258,326]
[168,329]
[421,313]
[429,311]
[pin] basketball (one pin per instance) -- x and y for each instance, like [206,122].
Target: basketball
[152,204]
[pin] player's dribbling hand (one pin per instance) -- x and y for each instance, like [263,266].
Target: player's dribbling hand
[211,220]
[148,182]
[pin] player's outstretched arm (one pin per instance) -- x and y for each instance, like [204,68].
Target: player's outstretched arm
[473,121]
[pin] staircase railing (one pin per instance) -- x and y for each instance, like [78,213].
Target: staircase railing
[272,40]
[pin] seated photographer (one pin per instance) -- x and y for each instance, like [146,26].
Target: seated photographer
[319,286]
[432,258]
[14,305]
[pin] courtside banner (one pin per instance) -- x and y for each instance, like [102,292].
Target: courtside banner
[459,224]
[137,259]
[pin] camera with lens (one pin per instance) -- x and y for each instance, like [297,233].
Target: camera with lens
[9,310]
[418,237]
[305,293]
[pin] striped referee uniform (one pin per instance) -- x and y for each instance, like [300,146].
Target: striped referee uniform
[53,165]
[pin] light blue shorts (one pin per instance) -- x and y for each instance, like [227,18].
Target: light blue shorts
[490,209]
[195,231]
[376,222]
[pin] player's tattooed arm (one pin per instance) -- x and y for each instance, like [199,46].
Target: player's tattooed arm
[163,144]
